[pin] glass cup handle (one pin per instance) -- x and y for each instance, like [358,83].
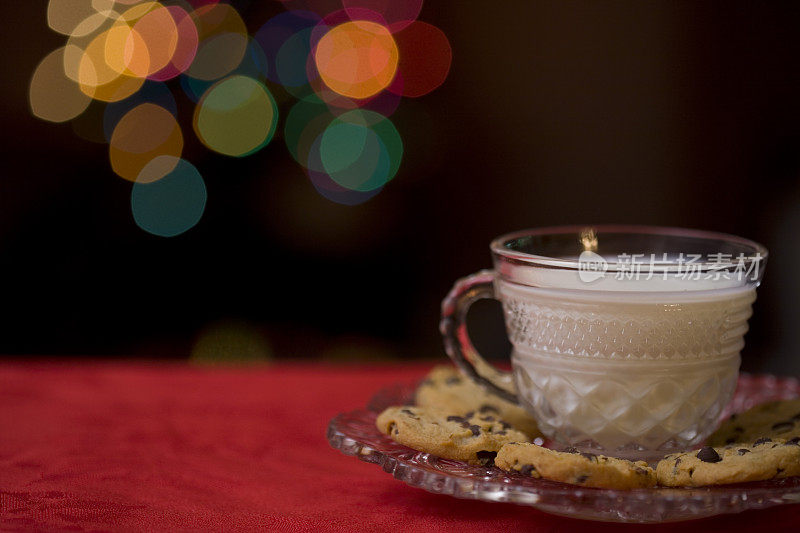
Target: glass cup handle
[457,344]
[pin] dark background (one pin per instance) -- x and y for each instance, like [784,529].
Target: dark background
[682,113]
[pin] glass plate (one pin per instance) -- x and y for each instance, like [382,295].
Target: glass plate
[355,434]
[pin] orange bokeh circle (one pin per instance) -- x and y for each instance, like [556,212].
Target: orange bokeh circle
[357,59]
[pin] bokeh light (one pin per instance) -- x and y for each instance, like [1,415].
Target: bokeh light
[93,23]
[222,41]
[350,157]
[357,59]
[396,14]
[236,117]
[97,75]
[157,168]
[341,16]
[52,95]
[231,342]
[77,16]
[305,124]
[334,192]
[151,41]
[253,64]
[171,205]
[361,150]
[185,46]
[292,63]
[385,102]
[199,3]
[151,92]
[79,41]
[354,156]
[143,133]
[293,29]
[425,58]
[348,63]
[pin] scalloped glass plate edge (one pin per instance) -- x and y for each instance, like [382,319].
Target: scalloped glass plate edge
[354,434]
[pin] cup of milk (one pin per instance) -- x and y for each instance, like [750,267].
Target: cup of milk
[626,339]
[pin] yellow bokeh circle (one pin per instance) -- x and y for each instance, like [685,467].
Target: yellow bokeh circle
[236,116]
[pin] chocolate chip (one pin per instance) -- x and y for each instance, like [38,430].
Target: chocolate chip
[739,429]
[505,424]
[572,450]
[453,380]
[730,440]
[581,479]
[733,416]
[775,445]
[743,451]
[707,454]
[469,415]
[762,440]
[501,432]
[793,441]
[589,456]
[527,470]
[487,418]
[409,412]
[691,471]
[677,461]
[782,427]
[486,408]
[476,430]
[486,458]
[460,419]
[393,428]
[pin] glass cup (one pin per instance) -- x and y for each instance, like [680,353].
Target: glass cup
[626,339]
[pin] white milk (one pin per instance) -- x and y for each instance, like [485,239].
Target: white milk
[639,367]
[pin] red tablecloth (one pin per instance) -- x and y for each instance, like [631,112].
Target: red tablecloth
[87,446]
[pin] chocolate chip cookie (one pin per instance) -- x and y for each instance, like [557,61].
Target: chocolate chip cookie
[779,419]
[577,468]
[446,388]
[473,437]
[763,459]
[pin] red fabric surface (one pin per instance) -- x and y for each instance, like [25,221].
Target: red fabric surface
[122,446]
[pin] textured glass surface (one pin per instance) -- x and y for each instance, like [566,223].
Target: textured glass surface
[625,330]
[355,434]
